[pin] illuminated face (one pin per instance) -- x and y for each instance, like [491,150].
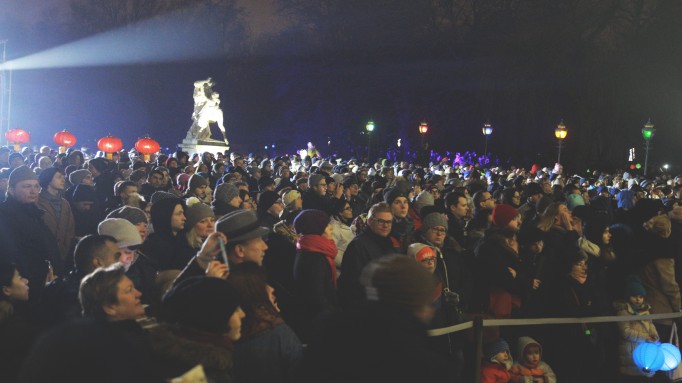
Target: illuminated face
[515,224]
[347,212]
[18,290]
[58,182]
[427,258]
[142,229]
[399,207]
[127,192]
[532,355]
[381,224]
[637,300]
[276,208]
[354,190]
[321,188]
[252,251]
[156,180]
[201,191]
[129,305]
[606,236]
[436,235]
[328,232]
[25,191]
[460,209]
[487,202]
[178,219]
[205,227]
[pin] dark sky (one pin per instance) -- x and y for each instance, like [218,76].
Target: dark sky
[285,80]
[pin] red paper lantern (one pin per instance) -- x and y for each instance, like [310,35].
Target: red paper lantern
[147,146]
[17,137]
[64,139]
[109,144]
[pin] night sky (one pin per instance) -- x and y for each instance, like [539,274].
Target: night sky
[292,71]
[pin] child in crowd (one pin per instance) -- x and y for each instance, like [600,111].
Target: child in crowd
[498,361]
[634,332]
[530,368]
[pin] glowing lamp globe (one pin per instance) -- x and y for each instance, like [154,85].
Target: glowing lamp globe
[560,132]
[638,166]
[109,145]
[671,356]
[64,139]
[487,129]
[17,137]
[370,126]
[648,357]
[648,130]
[423,128]
[632,167]
[147,147]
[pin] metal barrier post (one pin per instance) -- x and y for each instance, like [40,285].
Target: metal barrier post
[478,347]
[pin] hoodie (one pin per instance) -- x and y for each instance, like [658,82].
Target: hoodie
[524,372]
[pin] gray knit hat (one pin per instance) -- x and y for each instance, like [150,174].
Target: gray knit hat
[130,214]
[196,211]
[159,195]
[434,219]
[77,176]
[22,173]
[225,192]
[425,198]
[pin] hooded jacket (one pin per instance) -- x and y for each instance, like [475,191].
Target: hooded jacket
[169,251]
[521,372]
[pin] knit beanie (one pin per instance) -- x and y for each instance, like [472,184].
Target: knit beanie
[46,176]
[492,349]
[391,194]
[84,193]
[503,214]
[266,200]
[315,179]
[225,192]
[399,282]
[420,251]
[130,214]
[196,181]
[196,211]
[22,173]
[633,286]
[77,176]
[161,195]
[311,221]
[99,163]
[126,233]
[202,303]
[434,219]
[290,197]
[424,198]
[573,200]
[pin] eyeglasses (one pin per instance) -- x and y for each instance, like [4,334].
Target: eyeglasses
[438,230]
[429,260]
[382,221]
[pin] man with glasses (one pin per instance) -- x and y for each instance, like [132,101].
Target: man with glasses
[402,223]
[315,197]
[371,244]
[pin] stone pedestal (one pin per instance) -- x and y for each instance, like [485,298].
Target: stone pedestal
[192,146]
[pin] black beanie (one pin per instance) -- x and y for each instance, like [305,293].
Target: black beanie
[202,303]
[392,193]
[46,176]
[267,199]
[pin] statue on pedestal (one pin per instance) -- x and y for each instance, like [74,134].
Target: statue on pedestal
[206,110]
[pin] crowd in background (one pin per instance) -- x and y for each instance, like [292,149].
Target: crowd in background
[310,269]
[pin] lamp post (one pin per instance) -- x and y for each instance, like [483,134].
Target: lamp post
[370,128]
[423,129]
[560,133]
[487,131]
[648,132]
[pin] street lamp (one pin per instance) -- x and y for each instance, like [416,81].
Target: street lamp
[487,131]
[370,128]
[423,129]
[560,133]
[648,132]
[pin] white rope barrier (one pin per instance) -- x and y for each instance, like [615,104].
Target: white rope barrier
[550,321]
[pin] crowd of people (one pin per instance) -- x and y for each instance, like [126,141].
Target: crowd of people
[234,268]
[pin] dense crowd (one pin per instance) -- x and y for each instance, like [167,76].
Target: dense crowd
[289,269]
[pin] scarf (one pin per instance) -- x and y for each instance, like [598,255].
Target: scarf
[319,244]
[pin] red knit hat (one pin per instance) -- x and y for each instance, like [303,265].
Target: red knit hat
[503,214]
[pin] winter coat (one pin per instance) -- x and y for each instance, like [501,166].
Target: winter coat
[374,344]
[363,249]
[18,334]
[631,335]
[62,226]
[178,350]
[28,243]
[521,373]
[270,356]
[342,236]
[494,373]
[313,280]
[663,292]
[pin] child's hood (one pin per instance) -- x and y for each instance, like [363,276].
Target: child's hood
[524,342]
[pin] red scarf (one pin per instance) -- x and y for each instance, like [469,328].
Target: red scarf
[319,244]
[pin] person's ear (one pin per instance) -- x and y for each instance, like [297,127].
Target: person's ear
[110,310]
[96,262]
[5,290]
